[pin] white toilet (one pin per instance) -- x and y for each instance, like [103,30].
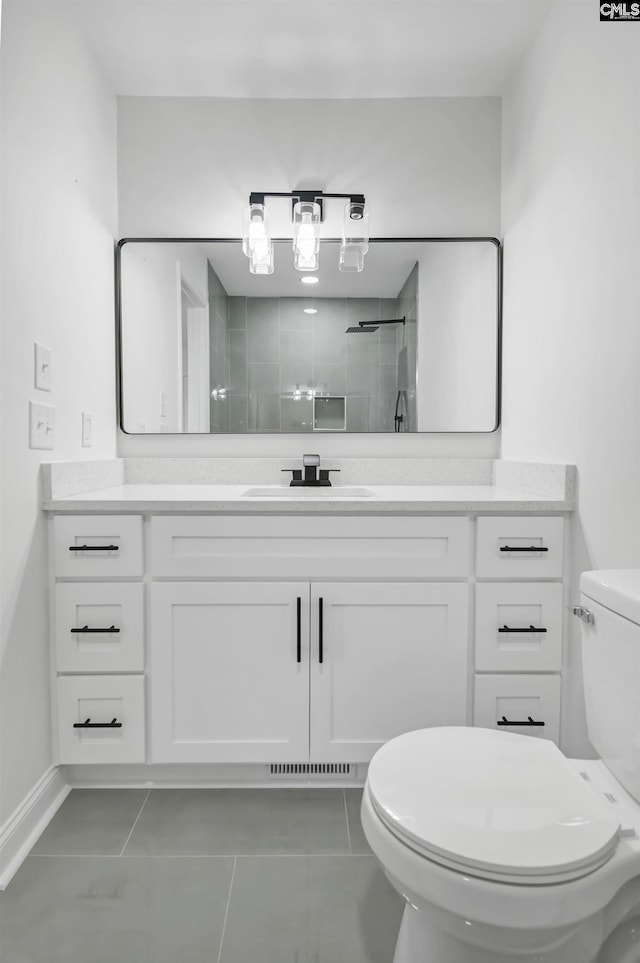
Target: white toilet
[505,850]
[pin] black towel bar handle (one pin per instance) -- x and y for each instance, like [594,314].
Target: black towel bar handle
[85,630]
[88,724]
[532,628]
[510,722]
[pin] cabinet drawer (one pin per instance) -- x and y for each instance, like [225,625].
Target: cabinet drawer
[311,547]
[519,547]
[101,699]
[507,613]
[82,609]
[98,545]
[516,698]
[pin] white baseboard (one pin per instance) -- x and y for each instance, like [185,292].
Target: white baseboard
[193,775]
[27,823]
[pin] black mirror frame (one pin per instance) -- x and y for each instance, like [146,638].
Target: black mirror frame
[374,240]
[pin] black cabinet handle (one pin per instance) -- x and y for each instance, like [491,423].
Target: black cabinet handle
[524,548]
[532,628]
[509,722]
[320,632]
[298,630]
[88,724]
[94,548]
[85,630]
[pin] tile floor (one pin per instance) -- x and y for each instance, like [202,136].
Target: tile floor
[201,876]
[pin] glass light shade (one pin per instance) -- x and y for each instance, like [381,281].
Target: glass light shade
[261,261]
[355,226]
[306,263]
[306,236]
[256,239]
[351,258]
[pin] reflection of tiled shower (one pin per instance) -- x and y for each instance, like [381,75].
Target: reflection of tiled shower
[219,368]
[281,358]
[408,351]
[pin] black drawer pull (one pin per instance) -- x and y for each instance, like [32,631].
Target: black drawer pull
[85,630]
[509,722]
[298,630]
[532,628]
[88,724]
[320,632]
[524,548]
[94,548]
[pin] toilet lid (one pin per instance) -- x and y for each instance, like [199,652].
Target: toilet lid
[492,804]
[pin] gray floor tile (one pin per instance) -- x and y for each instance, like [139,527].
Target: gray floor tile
[241,821]
[359,842]
[92,822]
[109,910]
[311,909]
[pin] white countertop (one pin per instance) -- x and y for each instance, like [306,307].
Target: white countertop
[231,499]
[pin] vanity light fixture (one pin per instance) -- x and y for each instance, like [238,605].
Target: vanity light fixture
[307,214]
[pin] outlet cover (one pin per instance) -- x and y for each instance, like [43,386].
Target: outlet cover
[42,364]
[87,430]
[41,425]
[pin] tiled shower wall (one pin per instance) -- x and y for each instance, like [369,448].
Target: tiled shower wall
[219,368]
[279,355]
[408,348]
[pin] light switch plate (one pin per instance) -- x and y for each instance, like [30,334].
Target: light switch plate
[87,430]
[42,364]
[41,425]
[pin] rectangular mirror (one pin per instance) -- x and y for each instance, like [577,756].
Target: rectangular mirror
[411,343]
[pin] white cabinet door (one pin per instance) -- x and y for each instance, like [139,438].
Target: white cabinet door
[385,658]
[230,672]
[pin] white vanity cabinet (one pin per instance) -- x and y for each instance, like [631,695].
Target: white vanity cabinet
[257,639]
[295,671]
[98,628]
[308,668]
[385,658]
[519,619]
[230,672]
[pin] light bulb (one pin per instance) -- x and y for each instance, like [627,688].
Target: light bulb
[256,240]
[306,240]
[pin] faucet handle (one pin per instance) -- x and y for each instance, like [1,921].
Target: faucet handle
[324,475]
[311,461]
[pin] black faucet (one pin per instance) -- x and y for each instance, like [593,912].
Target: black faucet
[314,476]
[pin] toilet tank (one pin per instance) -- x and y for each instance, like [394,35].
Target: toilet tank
[611,668]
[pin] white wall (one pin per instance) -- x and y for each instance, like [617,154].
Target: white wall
[457,336]
[151,286]
[571,224]
[427,166]
[59,220]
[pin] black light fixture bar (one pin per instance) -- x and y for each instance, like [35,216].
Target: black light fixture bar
[313,197]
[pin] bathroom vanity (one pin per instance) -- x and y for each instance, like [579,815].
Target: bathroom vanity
[300,630]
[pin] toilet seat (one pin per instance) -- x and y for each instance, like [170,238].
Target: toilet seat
[494,805]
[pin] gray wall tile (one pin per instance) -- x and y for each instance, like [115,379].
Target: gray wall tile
[238,419]
[264,397]
[292,316]
[331,379]
[263,330]
[362,413]
[296,415]
[238,361]
[237,312]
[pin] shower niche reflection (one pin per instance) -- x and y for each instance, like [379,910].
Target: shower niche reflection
[409,344]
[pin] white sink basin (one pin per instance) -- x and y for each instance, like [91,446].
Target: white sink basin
[284,491]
